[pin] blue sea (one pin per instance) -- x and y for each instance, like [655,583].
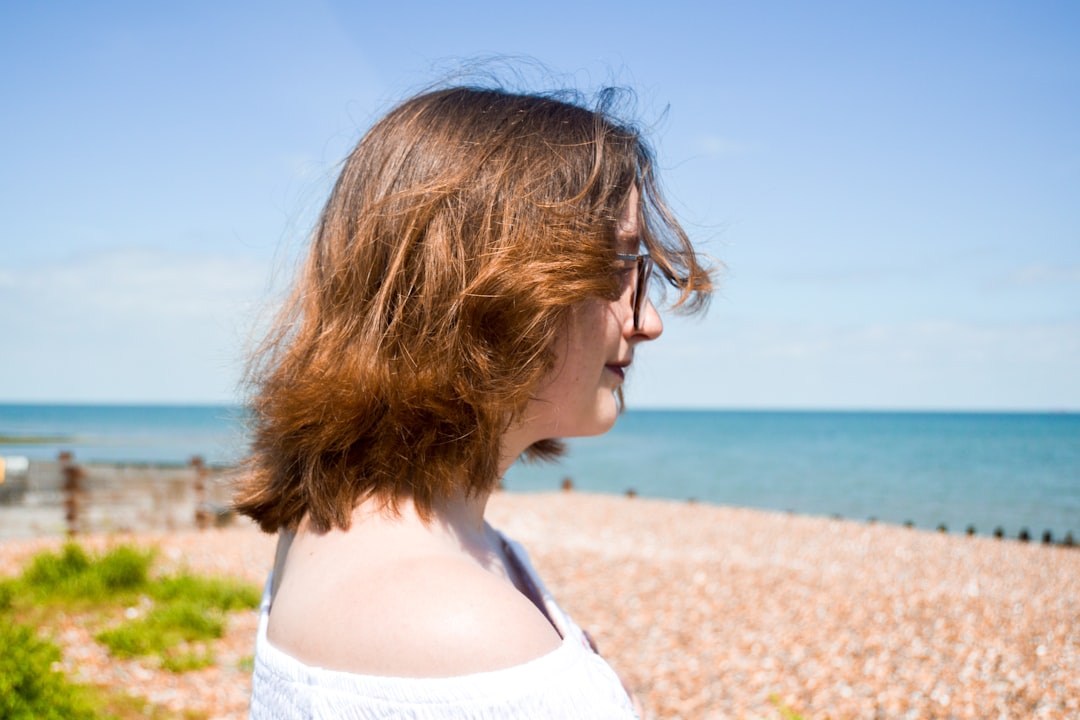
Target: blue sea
[1008,470]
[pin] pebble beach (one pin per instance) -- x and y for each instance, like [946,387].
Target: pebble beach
[718,612]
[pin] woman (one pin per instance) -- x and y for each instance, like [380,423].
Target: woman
[476,288]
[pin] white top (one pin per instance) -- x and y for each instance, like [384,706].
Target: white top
[570,682]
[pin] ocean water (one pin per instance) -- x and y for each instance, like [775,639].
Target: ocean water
[1011,471]
[154,434]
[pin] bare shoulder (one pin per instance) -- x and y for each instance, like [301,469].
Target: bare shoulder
[427,615]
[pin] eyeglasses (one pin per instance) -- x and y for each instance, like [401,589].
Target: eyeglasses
[644,267]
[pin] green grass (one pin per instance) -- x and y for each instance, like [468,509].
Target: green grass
[187,609]
[30,686]
[222,594]
[172,620]
[73,577]
[786,713]
[246,663]
[165,632]
[112,705]
[8,590]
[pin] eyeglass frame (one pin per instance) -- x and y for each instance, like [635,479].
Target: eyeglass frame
[644,267]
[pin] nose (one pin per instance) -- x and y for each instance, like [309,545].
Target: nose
[652,325]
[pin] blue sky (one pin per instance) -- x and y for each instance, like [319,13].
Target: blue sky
[894,188]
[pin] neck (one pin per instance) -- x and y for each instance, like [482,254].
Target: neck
[456,524]
[515,441]
[458,520]
[462,516]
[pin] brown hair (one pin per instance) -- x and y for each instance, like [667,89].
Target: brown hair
[463,227]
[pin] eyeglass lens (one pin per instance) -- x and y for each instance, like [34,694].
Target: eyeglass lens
[643,265]
[644,273]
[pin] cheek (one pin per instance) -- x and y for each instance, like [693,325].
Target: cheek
[592,325]
[582,349]
[589,342]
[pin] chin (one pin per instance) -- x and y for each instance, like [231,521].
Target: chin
[584,420]
[606,416]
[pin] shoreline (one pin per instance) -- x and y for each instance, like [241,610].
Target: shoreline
[143,496]
[989,470]
[710,611]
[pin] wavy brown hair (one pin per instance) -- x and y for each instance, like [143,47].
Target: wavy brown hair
[463,227]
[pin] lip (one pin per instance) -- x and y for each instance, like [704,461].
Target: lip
[618,369]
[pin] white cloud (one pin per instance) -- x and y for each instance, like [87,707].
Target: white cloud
[717,145]
[1041,275]
[141,283]
[128,325]
[144,325]
[935,365]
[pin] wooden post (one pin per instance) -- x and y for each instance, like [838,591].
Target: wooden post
[73,490]
[202,515]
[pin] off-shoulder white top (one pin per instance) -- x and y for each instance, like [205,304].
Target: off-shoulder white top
[570,682]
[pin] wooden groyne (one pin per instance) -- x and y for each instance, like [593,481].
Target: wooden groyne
[65,497]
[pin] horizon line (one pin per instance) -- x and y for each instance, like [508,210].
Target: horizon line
[646,408]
